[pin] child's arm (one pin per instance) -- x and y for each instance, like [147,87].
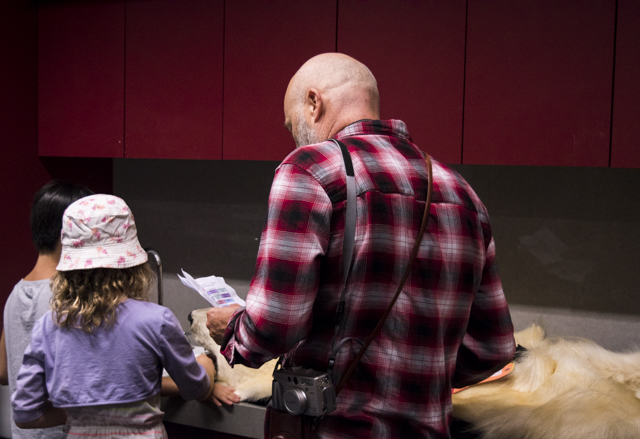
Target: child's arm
[51,417]
[4,368]
[207,363]
[177,359]
[220,394]
[170,388]
[30,402]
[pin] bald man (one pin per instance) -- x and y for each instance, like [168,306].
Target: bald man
[450,327]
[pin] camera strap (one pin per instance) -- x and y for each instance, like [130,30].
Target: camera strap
[347,246]
[347,250]
[348,253]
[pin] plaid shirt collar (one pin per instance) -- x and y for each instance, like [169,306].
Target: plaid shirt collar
[391,127]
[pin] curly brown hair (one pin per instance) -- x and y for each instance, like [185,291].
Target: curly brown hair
[85,299]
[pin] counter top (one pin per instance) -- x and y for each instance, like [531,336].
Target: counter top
[242,419]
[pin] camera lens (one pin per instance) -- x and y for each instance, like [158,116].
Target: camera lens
[295,401]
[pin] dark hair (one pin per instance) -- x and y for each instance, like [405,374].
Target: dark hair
[47,209]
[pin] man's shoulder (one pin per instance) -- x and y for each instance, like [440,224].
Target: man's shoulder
[313,155]
[323,161]
[454,189]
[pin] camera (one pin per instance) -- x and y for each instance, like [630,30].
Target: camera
[302,391]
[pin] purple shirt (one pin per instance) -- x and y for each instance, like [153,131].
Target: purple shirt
[121,364]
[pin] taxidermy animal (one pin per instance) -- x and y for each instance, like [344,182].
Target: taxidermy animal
[559,389]
[250,385]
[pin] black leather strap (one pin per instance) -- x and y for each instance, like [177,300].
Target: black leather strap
[416,246]
[347,246]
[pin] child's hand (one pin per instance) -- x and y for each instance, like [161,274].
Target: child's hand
[223,394]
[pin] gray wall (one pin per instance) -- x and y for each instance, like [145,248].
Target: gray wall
[203,216]
[568,239]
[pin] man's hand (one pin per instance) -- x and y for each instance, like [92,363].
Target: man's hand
[217,319]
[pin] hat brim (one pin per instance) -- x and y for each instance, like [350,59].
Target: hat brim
[112,255]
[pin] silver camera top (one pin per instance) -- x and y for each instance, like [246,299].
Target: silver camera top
[302,391]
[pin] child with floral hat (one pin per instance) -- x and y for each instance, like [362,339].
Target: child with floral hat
[96,359]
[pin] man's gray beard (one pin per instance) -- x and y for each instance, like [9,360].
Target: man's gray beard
[304,134]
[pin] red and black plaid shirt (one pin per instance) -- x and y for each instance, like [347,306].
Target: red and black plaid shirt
[451,324]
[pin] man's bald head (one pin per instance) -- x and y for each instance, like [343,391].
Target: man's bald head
[329,92]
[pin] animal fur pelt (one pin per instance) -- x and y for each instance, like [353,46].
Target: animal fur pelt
[559,389]
[250,384]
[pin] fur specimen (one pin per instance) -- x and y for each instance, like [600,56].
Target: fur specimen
[250,384]
[559,389]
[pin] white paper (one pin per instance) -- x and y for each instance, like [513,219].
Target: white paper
[213,289]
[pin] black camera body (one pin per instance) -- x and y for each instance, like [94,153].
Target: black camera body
[301,391]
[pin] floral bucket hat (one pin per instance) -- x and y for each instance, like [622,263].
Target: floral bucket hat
[99,231]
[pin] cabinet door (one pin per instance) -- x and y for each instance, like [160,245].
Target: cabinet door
[625,138]
[538,82]
[416,52]
[174,79]
[81,79]
[265,44]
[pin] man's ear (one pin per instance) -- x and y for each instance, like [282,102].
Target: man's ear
[315,104]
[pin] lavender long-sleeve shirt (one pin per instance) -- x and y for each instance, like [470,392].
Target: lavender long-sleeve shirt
[121,364]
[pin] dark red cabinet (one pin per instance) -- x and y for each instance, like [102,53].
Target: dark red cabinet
[500,82]
[625,140]
[174,79]
[265,44]
[539,76]
[81,79]
[416,52]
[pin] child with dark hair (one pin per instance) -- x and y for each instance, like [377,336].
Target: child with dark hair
[47,208]
[31,297]
[95,360]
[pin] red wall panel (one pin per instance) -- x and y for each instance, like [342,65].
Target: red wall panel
[538,82]
[625,139]
[265,44]
[174,79]
[22,172]
[81,79]
[416,52]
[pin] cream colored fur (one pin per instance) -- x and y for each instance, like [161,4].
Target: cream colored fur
[559,389]
[250,384]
